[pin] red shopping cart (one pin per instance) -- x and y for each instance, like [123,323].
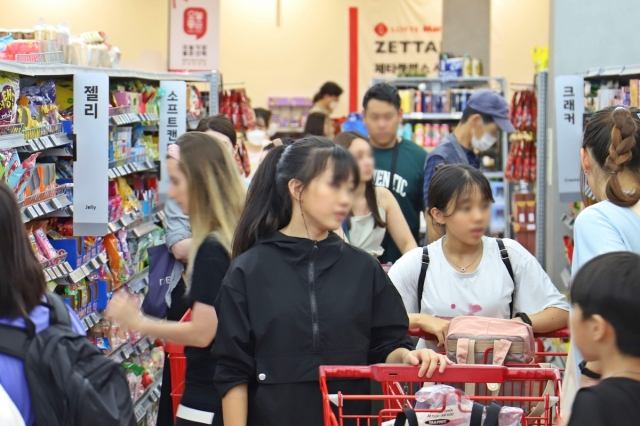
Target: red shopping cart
[535,390]
[542,355]
[178,365]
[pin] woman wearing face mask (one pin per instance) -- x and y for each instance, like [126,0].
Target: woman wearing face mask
[610,158]
[467,274]
[258,137]
[297,297]
[375,210]
[326,100]
[206,186]
[485,114]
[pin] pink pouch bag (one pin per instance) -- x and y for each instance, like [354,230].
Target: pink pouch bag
[471,340]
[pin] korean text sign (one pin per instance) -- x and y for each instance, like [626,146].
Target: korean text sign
[173,123]
[569,106]
[194,35]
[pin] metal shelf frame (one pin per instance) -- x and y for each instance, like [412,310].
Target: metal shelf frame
[541,166]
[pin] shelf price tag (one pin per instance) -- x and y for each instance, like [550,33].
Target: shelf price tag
[173,123]
[91,126]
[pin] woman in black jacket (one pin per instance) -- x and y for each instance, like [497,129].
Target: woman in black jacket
[297,297]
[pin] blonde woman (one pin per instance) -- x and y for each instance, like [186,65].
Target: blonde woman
[206,186]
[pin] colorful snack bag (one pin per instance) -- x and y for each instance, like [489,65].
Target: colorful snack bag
[19,179]
[44,244]
[34,247]
[9,93]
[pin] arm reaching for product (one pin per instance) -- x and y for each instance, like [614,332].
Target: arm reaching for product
[430,324]
[551,319]
[199,332]
[426,358]
[396,223]
[235,406]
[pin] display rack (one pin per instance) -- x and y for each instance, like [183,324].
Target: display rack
[438,84]
[541,166]
[74,262]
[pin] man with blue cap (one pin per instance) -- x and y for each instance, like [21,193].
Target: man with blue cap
[487,112]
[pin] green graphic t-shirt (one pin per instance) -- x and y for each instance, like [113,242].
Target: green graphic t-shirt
[407,187]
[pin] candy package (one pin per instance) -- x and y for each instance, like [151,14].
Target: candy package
[116,262]
[44,244]
[9,93]
[19,179]
[35,248]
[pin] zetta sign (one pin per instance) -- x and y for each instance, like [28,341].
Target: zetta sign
[398,37]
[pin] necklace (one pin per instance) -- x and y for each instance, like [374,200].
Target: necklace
[462,269]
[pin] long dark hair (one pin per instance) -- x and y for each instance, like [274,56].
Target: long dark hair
[221,124]
[607,285]
[612,137]
[345,139]
[269,205]
[454,182]
[22,283]
[315,124]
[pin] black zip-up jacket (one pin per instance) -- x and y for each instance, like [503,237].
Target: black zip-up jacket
[289,305]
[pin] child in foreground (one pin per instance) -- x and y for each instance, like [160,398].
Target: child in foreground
[606,300]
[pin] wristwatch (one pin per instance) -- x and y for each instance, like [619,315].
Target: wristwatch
[524,317]
[588,373]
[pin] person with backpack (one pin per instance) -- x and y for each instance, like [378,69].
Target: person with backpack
[296,296]
[206,186]
[610,158]
[34,322]
[605,298]
[466,273]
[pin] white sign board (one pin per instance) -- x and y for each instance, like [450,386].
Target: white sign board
[569,91]
[173,123]
[194,35]
[398,37]
[91,127]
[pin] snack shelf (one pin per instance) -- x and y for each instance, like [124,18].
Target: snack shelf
[45,143]
[136,219]
[59,270]
[132,117]
[150,395]
[32,69]
[132,167]
[41,58]
[61,151]
[125,350]
[11,136]
[151,128]
[144,229]
[137,282]
[432,116]
[90,320]
[39,205]
[87,268]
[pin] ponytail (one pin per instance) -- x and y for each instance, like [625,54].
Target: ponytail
[265,211]
[623,141]
[317,97]
[269,204]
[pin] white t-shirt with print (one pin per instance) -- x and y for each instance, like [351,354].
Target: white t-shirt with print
[486,292]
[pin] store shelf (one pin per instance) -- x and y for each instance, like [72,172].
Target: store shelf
[568,221]
[83,271]
[460,81]
[124,351]
[432,116]
[90,320]
[42,204]
[131,118]
[55,272]
[150,395]
[135,166]
[144,229]
[66,69]
[11,136]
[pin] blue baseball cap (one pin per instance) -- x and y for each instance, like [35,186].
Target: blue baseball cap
[492,103]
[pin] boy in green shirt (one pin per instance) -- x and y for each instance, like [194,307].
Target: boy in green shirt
[399,163]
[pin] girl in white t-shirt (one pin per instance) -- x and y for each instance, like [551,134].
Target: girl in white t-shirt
[466,274]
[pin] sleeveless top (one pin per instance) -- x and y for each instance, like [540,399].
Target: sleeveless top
[363,234]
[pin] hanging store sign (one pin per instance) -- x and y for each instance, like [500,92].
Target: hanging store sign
[399,37]
[91,127]
[173,123]
[194,35]
[569,105]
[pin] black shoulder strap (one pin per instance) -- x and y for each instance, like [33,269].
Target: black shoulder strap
[394,162]
[476,414]
[14,341]
[504,254]
[407,416]
[58,312]
[493,414]
[423,274]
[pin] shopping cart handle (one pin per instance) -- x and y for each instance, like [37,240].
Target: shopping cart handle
[562,333]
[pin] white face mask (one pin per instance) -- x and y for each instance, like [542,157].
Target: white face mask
[333,105]
[256,137]
[484,143]
[273,128]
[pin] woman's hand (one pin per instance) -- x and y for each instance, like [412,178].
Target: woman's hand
[429,359]
[432,325]
[124,310]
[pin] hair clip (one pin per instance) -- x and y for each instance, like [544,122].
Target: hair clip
[277,142]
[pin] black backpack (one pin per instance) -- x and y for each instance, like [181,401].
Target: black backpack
[504,254]
[71,383]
